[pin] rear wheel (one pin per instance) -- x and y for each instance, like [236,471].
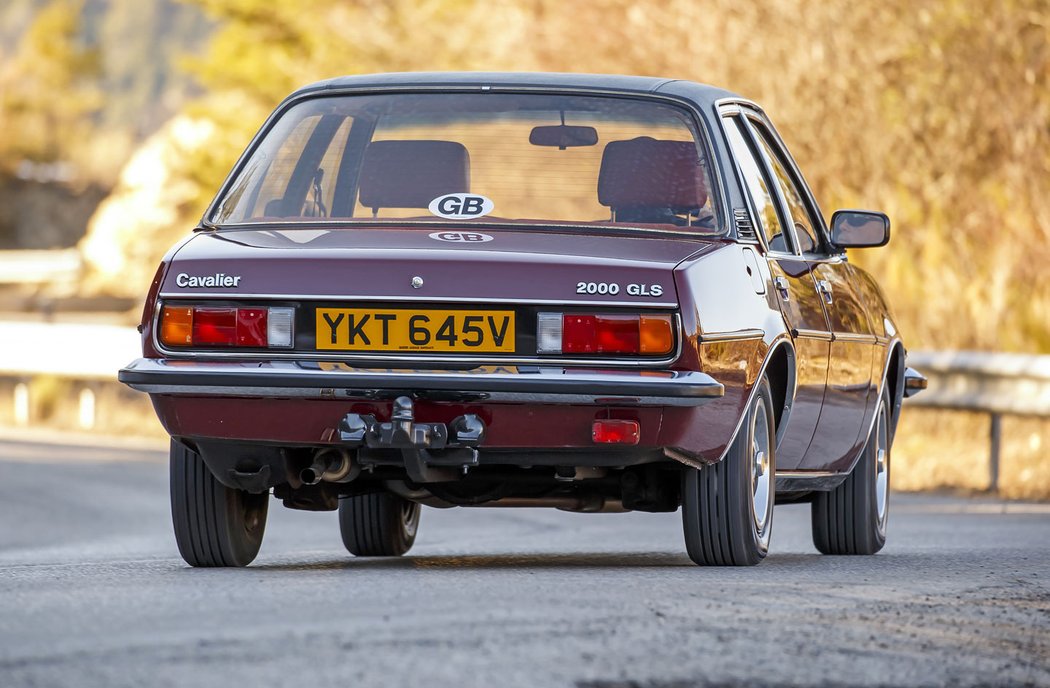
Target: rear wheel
[727,507]
[380,524]
[214,524]
[851,519]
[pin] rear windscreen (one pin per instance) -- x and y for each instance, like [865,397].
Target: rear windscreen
[479,158]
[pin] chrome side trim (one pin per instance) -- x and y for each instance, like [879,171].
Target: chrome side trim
[855,337]
[813,334]
[822,335]
[798,481]
[733,336]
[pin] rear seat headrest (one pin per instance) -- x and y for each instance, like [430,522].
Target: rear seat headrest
[410,174]
[646,172]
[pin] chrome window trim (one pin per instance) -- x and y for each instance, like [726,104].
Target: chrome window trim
[176,354]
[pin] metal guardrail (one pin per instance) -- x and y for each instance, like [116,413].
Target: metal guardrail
[994,383]
[40,267]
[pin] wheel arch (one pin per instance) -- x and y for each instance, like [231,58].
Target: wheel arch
[894,377]
[780,371]
[780,359]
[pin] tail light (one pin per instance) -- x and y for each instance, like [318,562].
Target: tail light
[208,326]
[577,333]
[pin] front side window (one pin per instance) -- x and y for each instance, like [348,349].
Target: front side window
[483,158]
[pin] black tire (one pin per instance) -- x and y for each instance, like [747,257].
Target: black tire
[722,525]
[380,524]
[214,524]
[851,519]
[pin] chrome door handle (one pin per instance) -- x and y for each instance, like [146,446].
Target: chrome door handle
[824,287]
[782,286]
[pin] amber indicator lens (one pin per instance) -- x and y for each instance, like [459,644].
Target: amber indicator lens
[572,333]
[610,431]
[655,335]
[206,326]
[176,326]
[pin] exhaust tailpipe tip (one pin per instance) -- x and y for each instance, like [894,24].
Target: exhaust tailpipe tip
[330,465]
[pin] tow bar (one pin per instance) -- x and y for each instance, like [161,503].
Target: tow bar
[431,451]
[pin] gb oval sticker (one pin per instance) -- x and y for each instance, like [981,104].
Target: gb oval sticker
[469,237]
[460,206]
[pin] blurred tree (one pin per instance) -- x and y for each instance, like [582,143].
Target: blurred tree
[48,89]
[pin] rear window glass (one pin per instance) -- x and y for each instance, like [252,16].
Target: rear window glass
[478,158]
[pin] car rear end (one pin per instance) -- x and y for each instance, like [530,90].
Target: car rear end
[459,300]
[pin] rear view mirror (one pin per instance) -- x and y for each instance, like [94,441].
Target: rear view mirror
[859,229]
[563,136]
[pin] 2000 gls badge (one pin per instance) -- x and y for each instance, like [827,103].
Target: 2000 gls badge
[593,293]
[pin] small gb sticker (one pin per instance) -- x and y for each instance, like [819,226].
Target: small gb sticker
[461,206]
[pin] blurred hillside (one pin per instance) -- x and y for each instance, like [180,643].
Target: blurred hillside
[82,83]
[936,111]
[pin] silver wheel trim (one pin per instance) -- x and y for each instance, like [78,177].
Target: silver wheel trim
[758,457]
[882,469]
[409,517]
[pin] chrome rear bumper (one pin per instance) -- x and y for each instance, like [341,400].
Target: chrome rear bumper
[501,384]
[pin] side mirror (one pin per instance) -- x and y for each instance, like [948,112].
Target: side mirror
[563,136]
[859,229]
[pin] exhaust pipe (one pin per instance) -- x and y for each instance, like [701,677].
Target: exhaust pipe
[331,465]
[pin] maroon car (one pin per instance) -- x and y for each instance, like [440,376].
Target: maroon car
[593,293]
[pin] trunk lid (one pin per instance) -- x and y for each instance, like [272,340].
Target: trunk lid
[452,264]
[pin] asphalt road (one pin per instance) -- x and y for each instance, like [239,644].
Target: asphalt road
[93,593]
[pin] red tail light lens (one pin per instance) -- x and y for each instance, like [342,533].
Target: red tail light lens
[214,326]
[206,326]
[572,333]
[610,431]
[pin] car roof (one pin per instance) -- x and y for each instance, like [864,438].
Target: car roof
[702,94]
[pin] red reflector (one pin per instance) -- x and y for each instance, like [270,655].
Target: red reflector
[578,334]
[229,327]
[215,326]
[600,334]
[609,431]
[618,334]
[251,327]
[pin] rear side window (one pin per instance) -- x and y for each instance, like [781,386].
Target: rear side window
[757,186]
[503,158]
[801,218]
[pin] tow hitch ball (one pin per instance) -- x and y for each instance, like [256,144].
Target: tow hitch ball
[454,444]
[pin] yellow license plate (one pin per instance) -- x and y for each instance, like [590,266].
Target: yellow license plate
[375,329]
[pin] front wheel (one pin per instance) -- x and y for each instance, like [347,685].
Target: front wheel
[851,519]
[380,524]
[727,507]
[214,524]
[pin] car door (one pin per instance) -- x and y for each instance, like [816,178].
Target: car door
[849,392]
[795,289]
